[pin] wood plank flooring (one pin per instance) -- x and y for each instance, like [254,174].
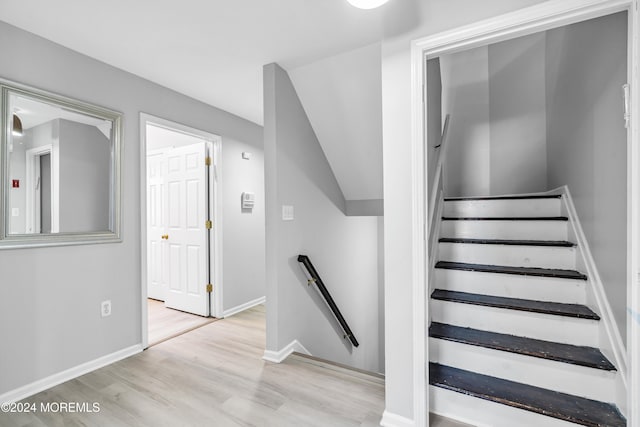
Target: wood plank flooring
[214,376]
[165,323]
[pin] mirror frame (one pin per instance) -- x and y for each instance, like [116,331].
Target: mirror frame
[9,241]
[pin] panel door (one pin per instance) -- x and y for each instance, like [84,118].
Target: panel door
[157,265]
[186,190]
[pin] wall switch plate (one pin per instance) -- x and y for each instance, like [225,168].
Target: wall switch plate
[105,308]
[287,213]
[15,211]
[246,155]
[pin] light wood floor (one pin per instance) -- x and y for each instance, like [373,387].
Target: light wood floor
[438,421]
[214,376]
[166,323]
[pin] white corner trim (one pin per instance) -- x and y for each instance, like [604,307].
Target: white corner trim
[279,356]
[242,307]
[608,319]
[419,216]
[521,22]
[69,374]
[393,420]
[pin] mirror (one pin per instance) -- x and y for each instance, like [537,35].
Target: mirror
[61,170]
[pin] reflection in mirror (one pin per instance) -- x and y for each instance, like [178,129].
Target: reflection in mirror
[60,169]
[61,173]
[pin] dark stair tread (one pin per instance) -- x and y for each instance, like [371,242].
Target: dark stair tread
[551,243]
[524,271]
[545,307]
[563,406]
[576,355]
[507,218]
[516,197]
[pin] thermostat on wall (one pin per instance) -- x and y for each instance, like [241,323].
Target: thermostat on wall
[248,200]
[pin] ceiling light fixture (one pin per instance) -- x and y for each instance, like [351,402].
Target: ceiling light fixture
[367,4]
[17,126]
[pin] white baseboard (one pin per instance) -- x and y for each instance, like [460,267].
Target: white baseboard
[615,342]
[279,356]
[55,379]
[393,420]
[242,307]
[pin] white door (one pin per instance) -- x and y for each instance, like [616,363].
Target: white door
[157,265]
[187,241]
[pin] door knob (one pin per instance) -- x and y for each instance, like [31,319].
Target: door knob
[165,236]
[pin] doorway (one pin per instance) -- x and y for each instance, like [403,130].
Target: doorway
[180,235]
[509,26]
[41,190]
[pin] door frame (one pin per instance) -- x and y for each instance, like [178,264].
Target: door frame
[32,172]
[215,215]
[526,21]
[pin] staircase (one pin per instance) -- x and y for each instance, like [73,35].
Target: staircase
[512,341]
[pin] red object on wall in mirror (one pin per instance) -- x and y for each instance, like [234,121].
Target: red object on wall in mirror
[15,183]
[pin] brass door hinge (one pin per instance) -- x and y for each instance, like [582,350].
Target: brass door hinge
[208,224]
[207,161]
[209,288]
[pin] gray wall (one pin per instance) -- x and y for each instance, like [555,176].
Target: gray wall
[465,97]
[496,98]
[244,249]
[435,118]
[85,174]
[344,249]
[517,116]
[50,297]
[586,139]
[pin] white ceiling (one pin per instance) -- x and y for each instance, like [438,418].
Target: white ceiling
[214,51]
[211,50]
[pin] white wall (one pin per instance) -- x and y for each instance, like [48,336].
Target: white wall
[465,97]
[517,115]
[587,147]
[160,137]
[50,297]
[344,249]
[431,17]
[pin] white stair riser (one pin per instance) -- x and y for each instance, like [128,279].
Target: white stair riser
[502,208]
[546,327]
[483,413]
[511,285]
[564,377]
[510,230]
[511,255]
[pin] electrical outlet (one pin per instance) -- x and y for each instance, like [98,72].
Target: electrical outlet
[105,308]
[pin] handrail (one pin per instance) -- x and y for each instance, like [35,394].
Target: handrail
[445,130]
[315,278]
[438,174]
